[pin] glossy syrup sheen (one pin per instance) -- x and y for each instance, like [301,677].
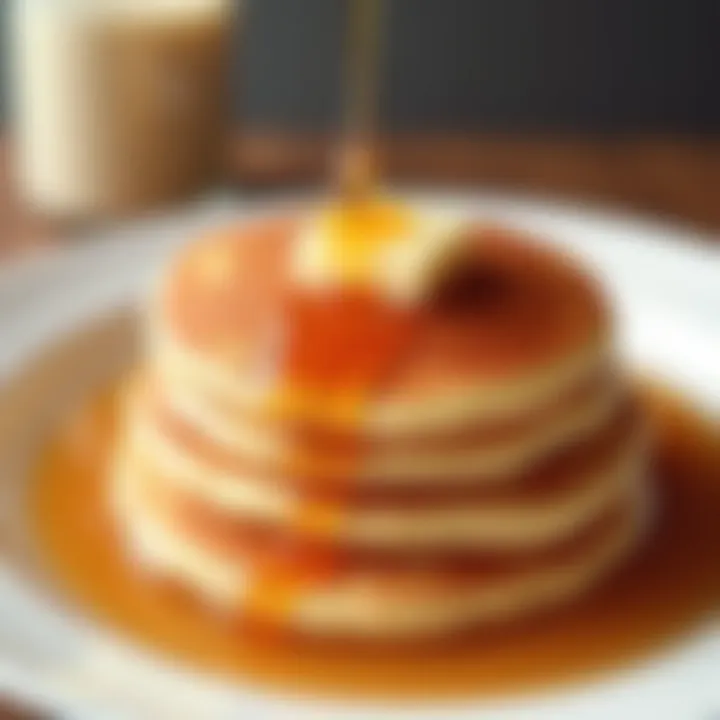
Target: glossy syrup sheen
[341,344]
[671,585]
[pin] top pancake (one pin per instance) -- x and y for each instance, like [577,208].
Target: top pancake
[505,321]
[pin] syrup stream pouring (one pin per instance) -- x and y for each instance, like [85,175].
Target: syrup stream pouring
[356,170]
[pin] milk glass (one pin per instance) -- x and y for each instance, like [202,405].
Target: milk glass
[118,104]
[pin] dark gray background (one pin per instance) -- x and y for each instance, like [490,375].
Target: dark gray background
[559,65]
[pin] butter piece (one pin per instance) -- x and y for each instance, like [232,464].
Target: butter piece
[396,258]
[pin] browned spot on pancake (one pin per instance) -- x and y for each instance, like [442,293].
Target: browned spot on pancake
[510,304]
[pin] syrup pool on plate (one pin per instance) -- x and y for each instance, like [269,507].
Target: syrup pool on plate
[669,588]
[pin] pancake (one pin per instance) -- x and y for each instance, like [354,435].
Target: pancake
[498,526]
[366,421]
[551,502]
[490,454]
[294,550]
[182,449]
[541,329]
[299,435]
[376,603]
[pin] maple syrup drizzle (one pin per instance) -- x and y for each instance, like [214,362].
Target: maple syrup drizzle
[672,585]
[341,345]
[363,43]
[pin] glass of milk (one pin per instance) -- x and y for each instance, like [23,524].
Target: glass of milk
[119,105]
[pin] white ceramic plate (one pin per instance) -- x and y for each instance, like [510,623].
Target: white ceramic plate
[666,284]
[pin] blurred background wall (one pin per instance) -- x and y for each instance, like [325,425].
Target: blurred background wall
[468,65]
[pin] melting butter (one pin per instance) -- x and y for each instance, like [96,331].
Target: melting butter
[381,245]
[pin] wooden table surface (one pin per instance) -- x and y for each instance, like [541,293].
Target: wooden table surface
[676,177]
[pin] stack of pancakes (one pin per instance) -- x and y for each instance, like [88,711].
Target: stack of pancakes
[472,459]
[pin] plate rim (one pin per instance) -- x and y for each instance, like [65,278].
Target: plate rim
[25,272]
